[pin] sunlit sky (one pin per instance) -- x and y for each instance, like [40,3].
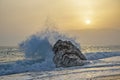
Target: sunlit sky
[96,21]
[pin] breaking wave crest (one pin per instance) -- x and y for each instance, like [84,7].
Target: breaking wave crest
[39,46]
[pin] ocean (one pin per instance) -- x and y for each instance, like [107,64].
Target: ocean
[33,60]
[13,60]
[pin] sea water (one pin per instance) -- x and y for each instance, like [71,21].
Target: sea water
[35,53]
[12,60]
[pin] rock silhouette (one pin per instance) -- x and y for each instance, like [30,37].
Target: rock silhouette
[67,55]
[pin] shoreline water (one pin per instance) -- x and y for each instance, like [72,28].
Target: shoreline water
[109,77]
[102,66]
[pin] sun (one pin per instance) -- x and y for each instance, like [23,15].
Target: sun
[88,21]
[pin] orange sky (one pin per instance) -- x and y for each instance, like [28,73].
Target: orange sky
[21,18]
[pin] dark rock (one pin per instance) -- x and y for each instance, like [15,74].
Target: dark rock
[67,55]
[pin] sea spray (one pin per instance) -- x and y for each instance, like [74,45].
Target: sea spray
[38,52]
[35,47]
[39,45]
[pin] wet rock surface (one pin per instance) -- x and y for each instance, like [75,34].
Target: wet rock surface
[67,55]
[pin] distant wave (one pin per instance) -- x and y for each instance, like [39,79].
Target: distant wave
[101,55]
